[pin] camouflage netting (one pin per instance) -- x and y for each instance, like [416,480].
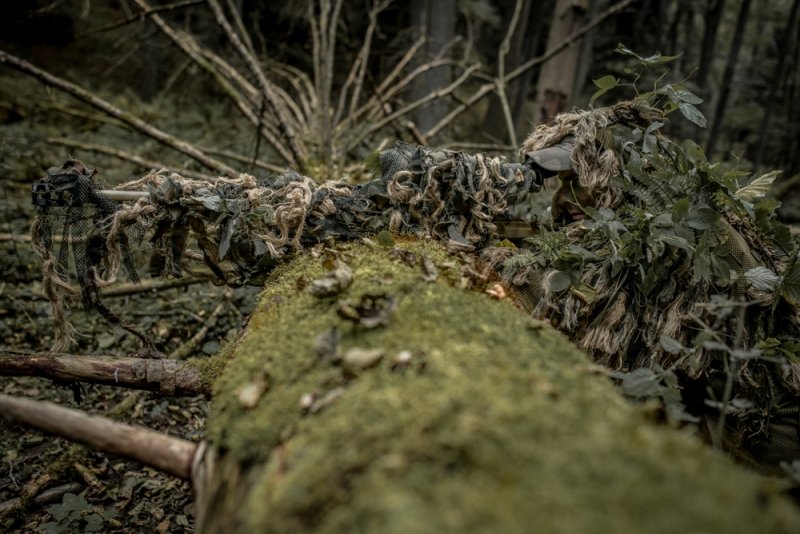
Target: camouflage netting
[234,231]
[664,268]
[672,266]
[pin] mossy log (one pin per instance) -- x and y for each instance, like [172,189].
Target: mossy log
[462,414]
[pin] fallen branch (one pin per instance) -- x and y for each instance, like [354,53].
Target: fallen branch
[46,497]
[162,376]
[163,452]
[107,107]
[125,290]
[193,342]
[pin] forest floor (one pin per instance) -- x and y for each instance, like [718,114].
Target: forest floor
[79,490]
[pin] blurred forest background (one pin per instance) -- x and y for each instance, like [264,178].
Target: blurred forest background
[209,87]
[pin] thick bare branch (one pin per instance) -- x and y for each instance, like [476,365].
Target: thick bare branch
[169,454]
[519,71]
[107,107]
[165,377]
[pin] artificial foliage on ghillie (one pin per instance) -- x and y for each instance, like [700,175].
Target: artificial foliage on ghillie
[675,266]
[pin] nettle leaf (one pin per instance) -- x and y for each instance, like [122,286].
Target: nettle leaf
[762,278]
[558,281]
[692,113]
[702,218]
[790,284]
[680,209]
[604,85]
[687,96]
[642,382]
[757,188]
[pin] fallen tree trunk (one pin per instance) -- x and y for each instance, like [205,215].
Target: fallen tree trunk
[382,397]
[456,413]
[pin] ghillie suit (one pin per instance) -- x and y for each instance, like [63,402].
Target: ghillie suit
[234,231]
[672,271]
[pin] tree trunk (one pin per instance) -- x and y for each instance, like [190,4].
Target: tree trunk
[784,46]
[557,76]
[727,77]
[459,414]
[437,20]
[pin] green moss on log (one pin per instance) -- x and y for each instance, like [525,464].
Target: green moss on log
[493,425]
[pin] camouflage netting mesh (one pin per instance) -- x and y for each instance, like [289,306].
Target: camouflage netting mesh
[234,231]
[665,264]
[672,266]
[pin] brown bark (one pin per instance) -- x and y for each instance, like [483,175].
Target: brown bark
[165,377]
[171,455]
[558,75]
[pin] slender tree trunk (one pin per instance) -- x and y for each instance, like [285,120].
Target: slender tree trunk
[494,127]
[713,15]
[584,59]
[557,76]
[437,19]
[727,77]
[784,47]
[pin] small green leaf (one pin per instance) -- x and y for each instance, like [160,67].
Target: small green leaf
[606,82]
[641,382]
[692,113]
[688,97]
[558,281]
[789,287]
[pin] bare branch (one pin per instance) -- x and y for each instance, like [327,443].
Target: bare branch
[105,106]
[287,129]
[168,454]
[519,71]
[144,14]
[223,74]
[165,377]
[45,497]
[500,82]
[439,93]
[127,156]
[124,290]
[359,67]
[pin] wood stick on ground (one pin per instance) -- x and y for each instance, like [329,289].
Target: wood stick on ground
[162,376]
[125,290]
[134,122]
[46,497]
[168,454]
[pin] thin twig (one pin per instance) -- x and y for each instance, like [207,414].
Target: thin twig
[166,453]
[45,497]
[144,14]
[287,129]
[500,82]
[124,290]
[105,106]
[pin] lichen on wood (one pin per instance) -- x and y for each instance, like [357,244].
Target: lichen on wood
[474,418]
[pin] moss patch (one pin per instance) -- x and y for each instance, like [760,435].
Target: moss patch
[492,425]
